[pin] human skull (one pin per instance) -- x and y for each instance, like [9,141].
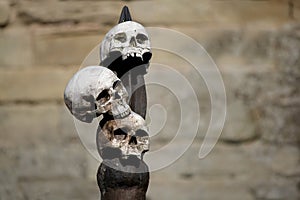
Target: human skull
[123,137]
[96,90]
[129,40]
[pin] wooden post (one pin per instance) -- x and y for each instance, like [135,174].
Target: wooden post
[291,9]
[120,178]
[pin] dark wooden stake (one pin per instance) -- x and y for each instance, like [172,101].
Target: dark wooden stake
[135,85]
[119,178]
[291,9]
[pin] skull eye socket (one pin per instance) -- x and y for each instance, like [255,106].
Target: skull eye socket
[117,84]
[141,38]
[120,133]
[121,37]
[103,97]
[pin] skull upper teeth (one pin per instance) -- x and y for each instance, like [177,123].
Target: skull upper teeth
[139,55]
[124,57]
[123,114]
[133,55]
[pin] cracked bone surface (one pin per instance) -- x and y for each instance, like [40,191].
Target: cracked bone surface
[96,90]
[128,40]
[121,138]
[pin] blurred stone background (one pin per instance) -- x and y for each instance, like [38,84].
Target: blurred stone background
[256,45]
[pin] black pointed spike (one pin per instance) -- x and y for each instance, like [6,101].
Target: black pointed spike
[125,15]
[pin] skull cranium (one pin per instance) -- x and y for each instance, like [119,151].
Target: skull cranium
[96,90]
[128,40]
[123,137]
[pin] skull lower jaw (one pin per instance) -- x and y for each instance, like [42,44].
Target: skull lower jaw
[133,150]
[129,150]
[131,165]
[124,152]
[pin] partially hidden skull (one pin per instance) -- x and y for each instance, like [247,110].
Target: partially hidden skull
[121,138]
[96,90]
[126,40]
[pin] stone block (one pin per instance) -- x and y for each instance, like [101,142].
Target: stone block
[10,191]
[226,161]
[60,189]
[4,13]
[195,12]
[64,49]
[33,85]
[9,159]
[72,131]
[171,104]
[278,124]
[15,47]
[256,170]
[277,188]
[35,147]
[282,160]
[164,120]
[92,168]
[66,126]
[168,13]
[225,168]
[25,126]
[52,161]
[37,125]
[198,189]
[240,124]
[51,12]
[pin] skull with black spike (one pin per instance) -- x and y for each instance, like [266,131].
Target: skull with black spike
[127,43]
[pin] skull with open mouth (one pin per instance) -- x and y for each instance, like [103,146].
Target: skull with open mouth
[96,90]
[127,43]
[121,138]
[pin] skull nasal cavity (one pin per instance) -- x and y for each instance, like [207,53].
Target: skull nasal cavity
[133,140]
[132,42]
[117,96]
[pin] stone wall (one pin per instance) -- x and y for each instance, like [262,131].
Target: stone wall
[256,45]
